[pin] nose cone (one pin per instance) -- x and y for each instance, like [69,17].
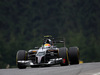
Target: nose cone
[39,59]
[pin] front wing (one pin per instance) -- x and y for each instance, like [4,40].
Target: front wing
[30,63]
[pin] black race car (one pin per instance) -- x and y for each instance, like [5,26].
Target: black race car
[48,54]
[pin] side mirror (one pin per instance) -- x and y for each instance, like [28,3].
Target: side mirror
[36,47]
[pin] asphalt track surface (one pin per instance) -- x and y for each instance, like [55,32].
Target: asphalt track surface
[81,69]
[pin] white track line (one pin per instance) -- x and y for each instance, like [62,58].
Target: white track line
[97,73]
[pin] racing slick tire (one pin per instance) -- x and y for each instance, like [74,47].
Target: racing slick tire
[63,53]
[21,55]
[73,55]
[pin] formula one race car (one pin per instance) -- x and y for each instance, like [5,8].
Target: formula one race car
[48,54]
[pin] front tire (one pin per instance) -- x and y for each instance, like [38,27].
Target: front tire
[63,53]
[21,55]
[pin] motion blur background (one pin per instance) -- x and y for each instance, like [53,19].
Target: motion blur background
[23,23]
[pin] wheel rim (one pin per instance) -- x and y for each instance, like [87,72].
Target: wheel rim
[64,60]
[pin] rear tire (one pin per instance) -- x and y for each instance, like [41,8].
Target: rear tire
[73,55]
[63,53]
[21,55]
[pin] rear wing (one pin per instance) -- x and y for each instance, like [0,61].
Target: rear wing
[59,40]
[54,40]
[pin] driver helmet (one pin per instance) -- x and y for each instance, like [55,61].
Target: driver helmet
[47,45]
